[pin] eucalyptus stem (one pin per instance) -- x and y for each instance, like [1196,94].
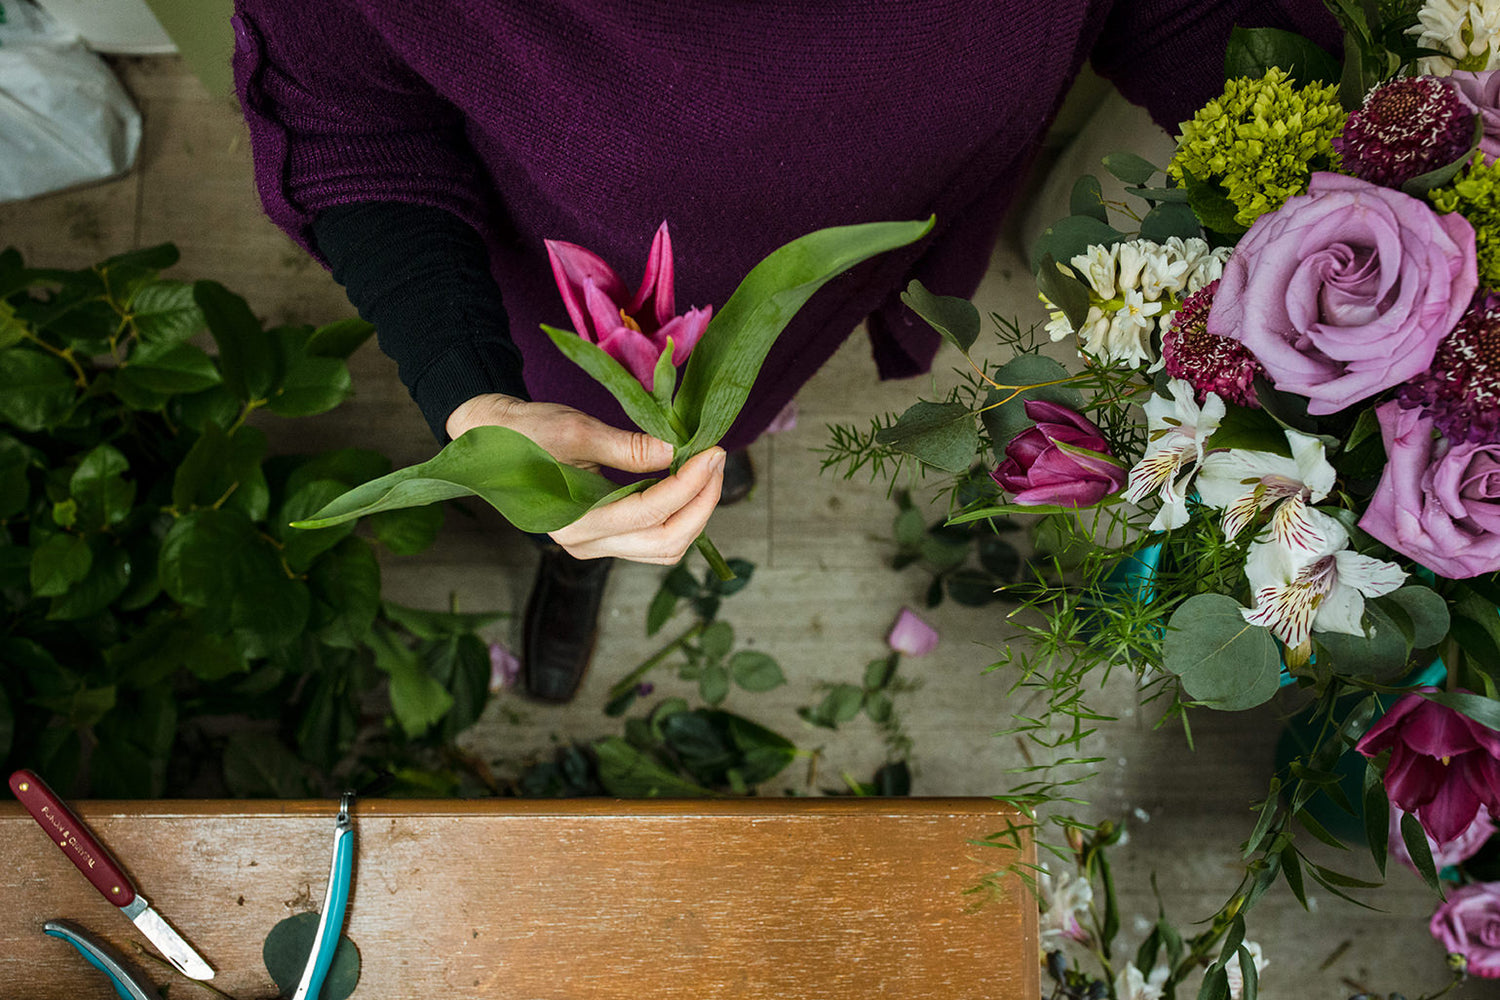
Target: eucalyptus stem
[715,560]
[631,679]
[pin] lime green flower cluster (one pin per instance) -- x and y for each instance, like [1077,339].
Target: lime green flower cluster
[1475,194]
[1261,141]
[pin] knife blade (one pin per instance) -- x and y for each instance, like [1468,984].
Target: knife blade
[91,858]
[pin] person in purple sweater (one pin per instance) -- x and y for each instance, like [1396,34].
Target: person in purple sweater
[424,151]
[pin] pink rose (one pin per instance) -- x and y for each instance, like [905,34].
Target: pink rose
[1481,93]
[1468,924]
[1437,502]
[1063,460]
[1460,848]
[1444,766]
[1346,291]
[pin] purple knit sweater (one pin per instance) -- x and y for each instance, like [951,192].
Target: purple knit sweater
[744,123]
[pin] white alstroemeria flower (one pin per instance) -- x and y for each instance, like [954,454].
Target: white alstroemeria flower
[1468,30]
[1130,984]
[1178,428]
[1298,589]
[1242,483]
[1065,898]
[1237,976]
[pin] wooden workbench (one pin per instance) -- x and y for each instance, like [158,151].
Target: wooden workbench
[598,899]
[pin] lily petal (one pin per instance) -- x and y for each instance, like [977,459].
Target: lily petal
[655,298]
[572,267]
[911,636]
[633,350]
[685,330]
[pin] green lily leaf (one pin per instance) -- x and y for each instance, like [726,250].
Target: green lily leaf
[507,470]
[637,403]
[726,361]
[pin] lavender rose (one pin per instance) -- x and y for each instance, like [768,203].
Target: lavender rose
[1437,502]
[1063,460]
[1481,93]
[1468,924]
[1346,291]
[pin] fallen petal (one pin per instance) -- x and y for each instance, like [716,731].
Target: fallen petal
[912,636]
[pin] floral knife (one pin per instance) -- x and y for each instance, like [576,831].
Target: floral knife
[103,871]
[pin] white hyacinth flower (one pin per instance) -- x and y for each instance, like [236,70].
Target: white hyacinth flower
[1297,589]
[1469,30]
[1242,483]
[1134,288]
[1131,984]
[1178,428]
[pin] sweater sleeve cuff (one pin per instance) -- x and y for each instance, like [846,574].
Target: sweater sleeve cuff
[457,376]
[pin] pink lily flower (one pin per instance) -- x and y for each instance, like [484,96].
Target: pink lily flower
[632,329]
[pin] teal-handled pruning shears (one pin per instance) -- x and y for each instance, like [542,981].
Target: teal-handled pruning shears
[335,898]
[104,958]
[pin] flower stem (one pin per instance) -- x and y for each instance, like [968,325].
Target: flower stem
[715,560]
[631,679]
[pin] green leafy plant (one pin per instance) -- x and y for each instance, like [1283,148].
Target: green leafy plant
[163,629]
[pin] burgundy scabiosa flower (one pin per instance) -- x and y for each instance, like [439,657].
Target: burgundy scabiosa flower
[1404,128]
[1207,361]
[1461,391]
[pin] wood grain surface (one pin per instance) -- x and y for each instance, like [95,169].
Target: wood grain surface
[598,899]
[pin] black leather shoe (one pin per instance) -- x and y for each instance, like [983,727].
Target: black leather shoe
[739,477]
[562,622]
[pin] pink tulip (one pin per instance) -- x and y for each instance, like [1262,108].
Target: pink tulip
[1444,766]
[911,635]
[1063,460]
[631,329]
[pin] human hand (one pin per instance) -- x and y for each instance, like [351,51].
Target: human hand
[657,525]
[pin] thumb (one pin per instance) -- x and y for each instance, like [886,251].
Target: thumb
[630,451]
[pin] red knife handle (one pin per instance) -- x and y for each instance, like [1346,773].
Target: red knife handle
[76,840]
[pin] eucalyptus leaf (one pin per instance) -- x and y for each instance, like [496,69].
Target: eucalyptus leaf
[1064,290]
[286,951]
[1087,198]
[1130,167]
[1379,654]
[726,361]
[1170,218]
[1427,610]
[533,490]
[1221,659]
[955,319]
[942,435]
[1004,421]
[633,397]
[1069,237]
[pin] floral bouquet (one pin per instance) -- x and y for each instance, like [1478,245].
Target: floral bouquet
[1304,307]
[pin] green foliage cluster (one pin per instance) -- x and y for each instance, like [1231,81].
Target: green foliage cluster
[1260,142]
[1475,194]
[161,626]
